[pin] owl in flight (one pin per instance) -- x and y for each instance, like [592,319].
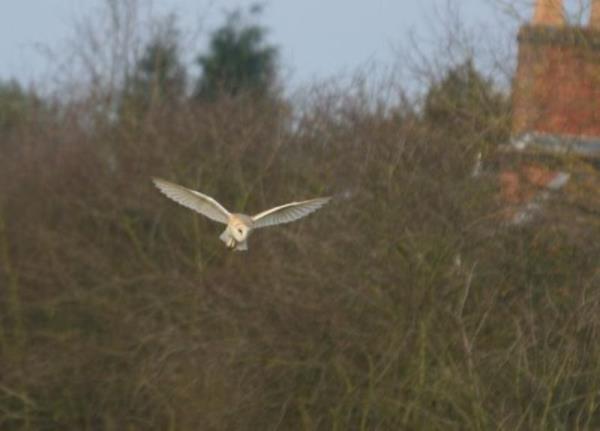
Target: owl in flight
[239,226]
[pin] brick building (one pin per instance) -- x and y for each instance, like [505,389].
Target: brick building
[555,143]
[556,90]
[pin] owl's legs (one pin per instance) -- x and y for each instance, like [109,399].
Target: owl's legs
[228,239]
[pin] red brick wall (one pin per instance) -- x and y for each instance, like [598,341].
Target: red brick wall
[557,85]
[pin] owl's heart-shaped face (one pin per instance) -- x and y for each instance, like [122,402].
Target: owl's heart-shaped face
[239,232]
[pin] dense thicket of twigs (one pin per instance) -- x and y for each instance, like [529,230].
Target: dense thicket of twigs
[404,304]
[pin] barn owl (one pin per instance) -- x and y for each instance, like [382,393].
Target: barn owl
[239,226]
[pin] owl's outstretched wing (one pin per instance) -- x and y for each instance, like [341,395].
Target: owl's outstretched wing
[194,200]
[288,213]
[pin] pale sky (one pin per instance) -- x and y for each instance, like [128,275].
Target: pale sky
[317,38]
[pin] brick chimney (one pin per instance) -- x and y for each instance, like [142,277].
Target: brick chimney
[549,12]
[556,89]
[595,15]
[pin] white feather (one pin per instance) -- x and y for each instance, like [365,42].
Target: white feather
[288,213]
[194,200]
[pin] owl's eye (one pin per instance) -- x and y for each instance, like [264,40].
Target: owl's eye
[240,231]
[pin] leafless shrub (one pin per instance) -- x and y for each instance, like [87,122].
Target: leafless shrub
[403,305]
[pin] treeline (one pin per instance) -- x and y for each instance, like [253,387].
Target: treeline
[407,303]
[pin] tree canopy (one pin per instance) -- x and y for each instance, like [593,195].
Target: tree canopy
[238,60]
[159,74]
[465,101]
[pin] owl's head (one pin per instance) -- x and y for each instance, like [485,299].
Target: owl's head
[239,231]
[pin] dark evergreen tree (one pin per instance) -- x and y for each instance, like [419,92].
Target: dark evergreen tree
[239,60]
[15,105]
